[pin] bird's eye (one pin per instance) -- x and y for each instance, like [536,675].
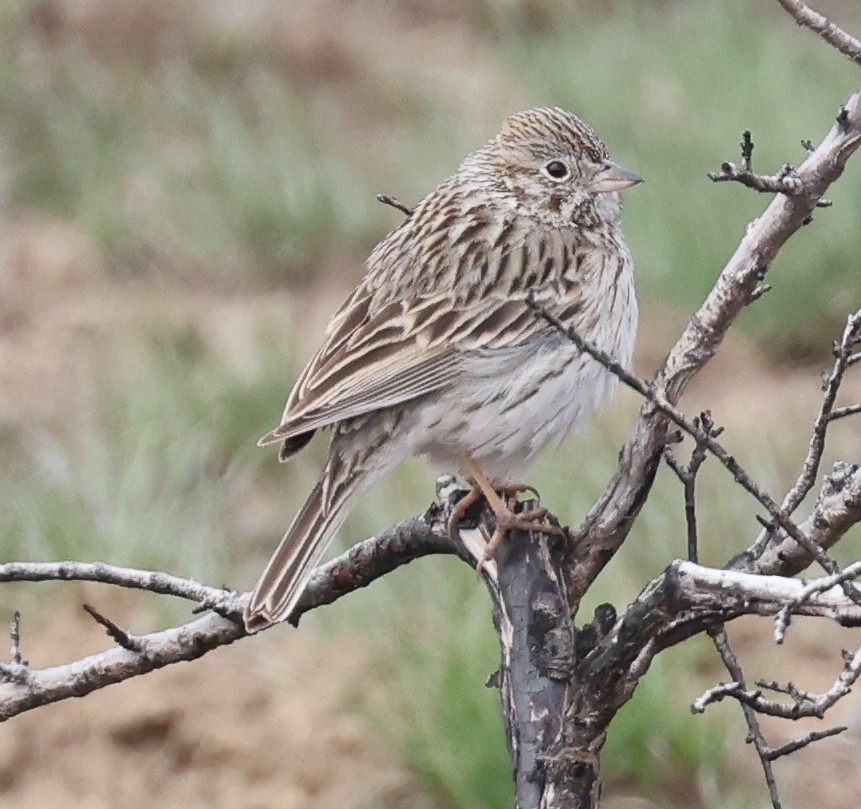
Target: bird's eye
[556,170]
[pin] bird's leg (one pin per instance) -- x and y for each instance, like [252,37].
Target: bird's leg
[511,490]
[461,507]
[536,519]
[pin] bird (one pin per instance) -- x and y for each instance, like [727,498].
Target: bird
[435,353]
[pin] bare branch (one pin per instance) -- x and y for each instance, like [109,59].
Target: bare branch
[608,522]
[688,476]
[804,741]
[158,649]
[831,386]
[781,623]
[784,182]
[16,671]
[755,734]
[705,590]
[151,580]
[804,704]
[122,638]
[711,598]
[687,599]
[831,33]
[15,637]
[753,702]
[843,412]
[366,561]
[394,202]
[718,693]
[24,688]
[655,397]
[837,509]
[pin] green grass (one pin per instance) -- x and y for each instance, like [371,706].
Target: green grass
[157,474]
[179,170]
[219,168]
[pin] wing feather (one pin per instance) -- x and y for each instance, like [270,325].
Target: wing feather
[400,338]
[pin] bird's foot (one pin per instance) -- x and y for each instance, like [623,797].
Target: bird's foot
[509,491]
[461,508]
[537,519]
[502,500]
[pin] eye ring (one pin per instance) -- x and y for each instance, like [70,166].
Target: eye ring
[556,170]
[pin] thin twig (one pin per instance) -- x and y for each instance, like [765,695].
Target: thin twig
[804,704]
[15,637]
[394,202]
[783,618]
[687,474]
[831,33]
[746,146]
[842,412]
[688,480]
[18,670]
[785,182]
[120,636]
[755,735]
[649,391]
[810,468]
[804,741]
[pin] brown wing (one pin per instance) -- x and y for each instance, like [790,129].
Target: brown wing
[401,354]
[399,336]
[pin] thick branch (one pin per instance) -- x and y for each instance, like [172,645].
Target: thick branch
[610,519]
[837,509]
[686,599]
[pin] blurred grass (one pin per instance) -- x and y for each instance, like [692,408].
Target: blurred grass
[221,164]
[226,168]
[179,170]
[159,474]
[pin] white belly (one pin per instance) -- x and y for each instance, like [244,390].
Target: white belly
[509,405]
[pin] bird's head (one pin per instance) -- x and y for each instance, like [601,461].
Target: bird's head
[553,167]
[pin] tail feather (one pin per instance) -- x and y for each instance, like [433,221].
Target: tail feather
[282,582]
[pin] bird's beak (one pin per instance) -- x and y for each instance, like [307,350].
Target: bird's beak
[613,178]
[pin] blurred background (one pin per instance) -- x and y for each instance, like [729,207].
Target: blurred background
[187,193]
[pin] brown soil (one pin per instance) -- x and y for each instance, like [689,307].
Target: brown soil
[262,724]
[269,721]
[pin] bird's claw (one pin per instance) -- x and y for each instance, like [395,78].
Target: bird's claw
[540,520]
